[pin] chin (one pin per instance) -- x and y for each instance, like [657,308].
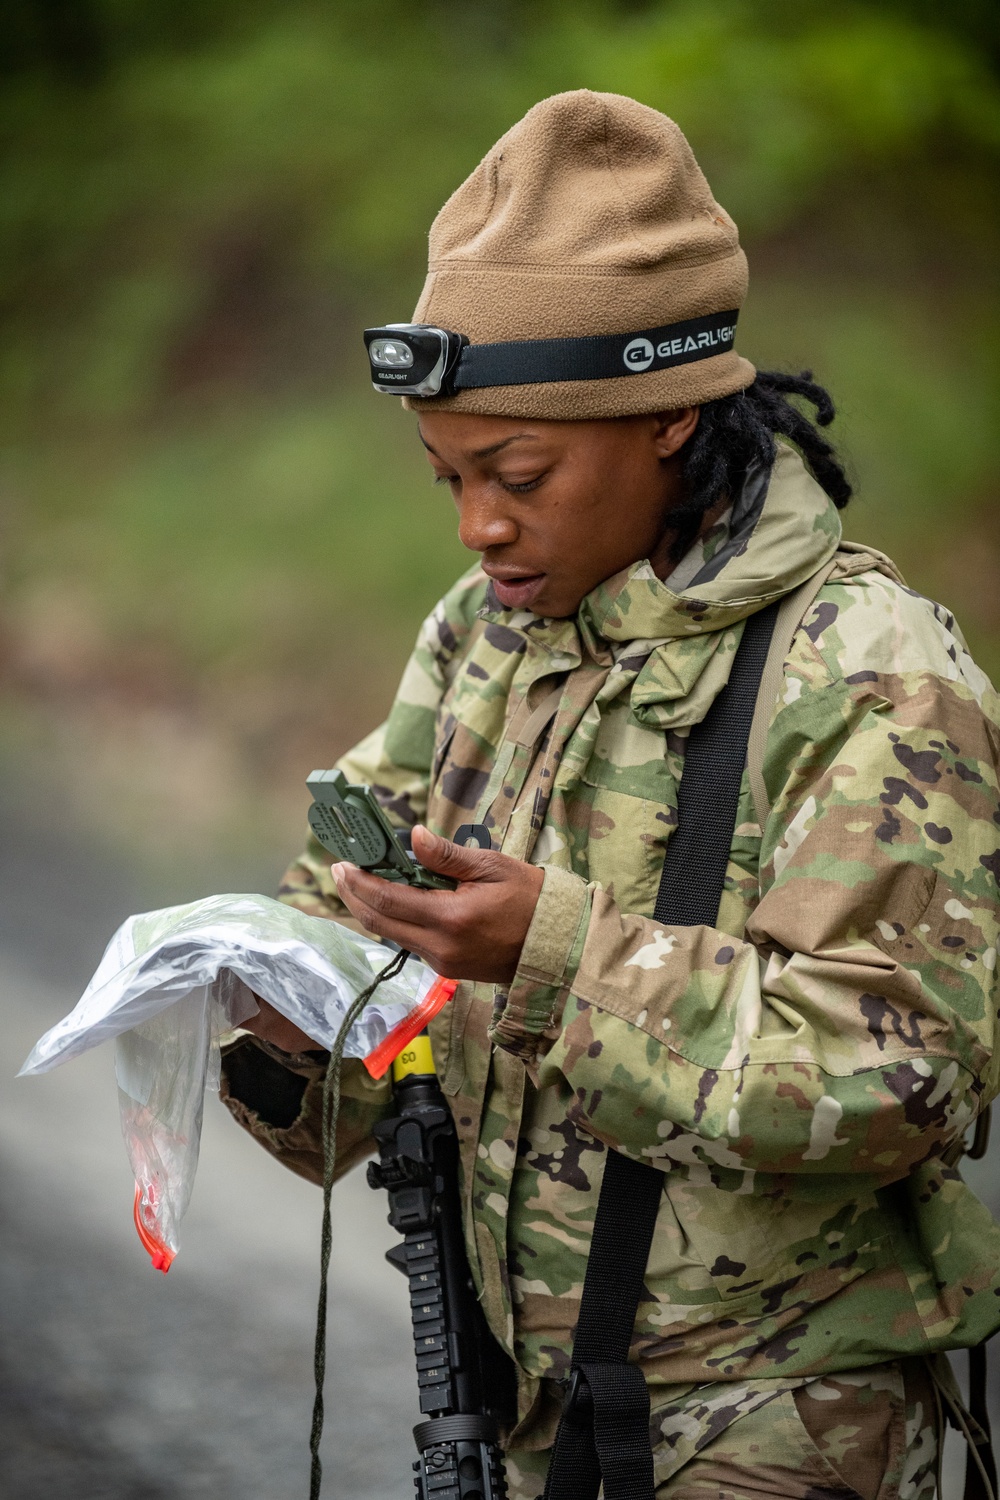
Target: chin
[557,609]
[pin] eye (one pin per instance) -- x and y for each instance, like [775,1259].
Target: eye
[446,479]
[523,488]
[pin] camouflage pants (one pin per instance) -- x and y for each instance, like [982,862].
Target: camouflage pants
[869,1433]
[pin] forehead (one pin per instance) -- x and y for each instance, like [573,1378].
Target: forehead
[464,435]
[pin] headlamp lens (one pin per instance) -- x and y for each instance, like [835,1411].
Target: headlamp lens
[391,353]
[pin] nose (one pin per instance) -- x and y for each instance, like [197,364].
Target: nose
[482,520]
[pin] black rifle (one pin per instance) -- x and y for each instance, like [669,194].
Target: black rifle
[463,1376]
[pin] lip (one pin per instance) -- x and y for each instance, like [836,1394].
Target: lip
[519,591]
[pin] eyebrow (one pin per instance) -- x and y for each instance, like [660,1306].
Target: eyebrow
[485,452]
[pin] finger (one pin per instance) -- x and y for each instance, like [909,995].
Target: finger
[390,899]
[377,925]
[462,864]
[423,941]
[369,913]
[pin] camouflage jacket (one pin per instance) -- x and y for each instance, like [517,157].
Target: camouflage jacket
[800,1070]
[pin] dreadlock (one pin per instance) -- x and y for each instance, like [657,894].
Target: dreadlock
[739,430]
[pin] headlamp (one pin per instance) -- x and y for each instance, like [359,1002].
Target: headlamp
[416,359]
[413,359]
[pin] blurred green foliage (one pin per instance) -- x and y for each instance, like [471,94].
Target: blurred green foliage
[201,204]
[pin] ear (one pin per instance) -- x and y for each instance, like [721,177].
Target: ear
[673,428]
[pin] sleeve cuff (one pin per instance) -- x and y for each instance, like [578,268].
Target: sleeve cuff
[551,955]
[268,1083]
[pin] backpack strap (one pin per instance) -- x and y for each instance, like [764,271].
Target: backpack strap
[603,1434]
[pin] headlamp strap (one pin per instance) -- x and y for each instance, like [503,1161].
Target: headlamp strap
[597,357]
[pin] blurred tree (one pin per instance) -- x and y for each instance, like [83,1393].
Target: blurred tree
[202,201]
[288,164]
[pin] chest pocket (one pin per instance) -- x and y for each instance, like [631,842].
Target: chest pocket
[458,777]
[469,729]
[624,812]
[467,732]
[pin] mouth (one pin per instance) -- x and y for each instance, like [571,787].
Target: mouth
[517,590]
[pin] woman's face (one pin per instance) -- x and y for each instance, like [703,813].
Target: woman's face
[557,507]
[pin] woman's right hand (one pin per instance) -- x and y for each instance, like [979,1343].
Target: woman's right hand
[271,1026]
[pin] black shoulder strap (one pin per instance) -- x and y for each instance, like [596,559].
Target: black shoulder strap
[694,870]
[604,1431]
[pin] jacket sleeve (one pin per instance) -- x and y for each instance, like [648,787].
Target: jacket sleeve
[278,1098]
[849,1030]
[276,1095]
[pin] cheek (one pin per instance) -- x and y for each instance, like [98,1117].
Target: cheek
[599,518]
[577,532]
[606,529]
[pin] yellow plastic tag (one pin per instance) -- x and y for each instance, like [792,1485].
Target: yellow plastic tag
[416,1057]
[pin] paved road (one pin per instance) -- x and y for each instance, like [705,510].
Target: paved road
[117,1383]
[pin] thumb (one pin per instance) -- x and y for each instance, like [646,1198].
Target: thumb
[446,858]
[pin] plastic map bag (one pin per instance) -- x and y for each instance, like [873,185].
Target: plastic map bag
[173,982]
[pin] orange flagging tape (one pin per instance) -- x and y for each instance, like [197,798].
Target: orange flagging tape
[159,1253]
[440,992]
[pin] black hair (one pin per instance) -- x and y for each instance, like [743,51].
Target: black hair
[740,430]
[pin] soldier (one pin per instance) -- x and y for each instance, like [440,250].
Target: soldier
[803,1071]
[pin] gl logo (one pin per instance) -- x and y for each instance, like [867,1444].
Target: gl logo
[638,355]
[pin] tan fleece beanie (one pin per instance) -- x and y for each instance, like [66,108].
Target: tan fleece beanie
[590,216]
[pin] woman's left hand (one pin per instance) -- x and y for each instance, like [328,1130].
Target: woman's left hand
[475,932]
